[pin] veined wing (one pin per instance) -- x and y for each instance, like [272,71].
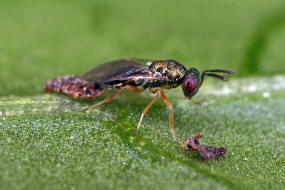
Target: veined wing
[123,69]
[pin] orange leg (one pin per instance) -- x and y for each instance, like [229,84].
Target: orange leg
[133,89]
[109,98]
[157,92]
[169,106]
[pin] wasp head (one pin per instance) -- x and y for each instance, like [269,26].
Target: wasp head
[193,80]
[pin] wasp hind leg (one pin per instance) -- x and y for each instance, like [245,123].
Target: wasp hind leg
[111,97]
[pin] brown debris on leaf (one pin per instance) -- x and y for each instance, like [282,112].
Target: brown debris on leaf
[74,86]
[206,152]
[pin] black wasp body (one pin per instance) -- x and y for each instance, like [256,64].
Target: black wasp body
[134,75]
[153,74]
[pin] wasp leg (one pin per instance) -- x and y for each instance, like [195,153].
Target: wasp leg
[169,106]
[109,98]
[157,92]
[133,89]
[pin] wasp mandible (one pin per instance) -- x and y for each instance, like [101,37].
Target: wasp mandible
[135,75]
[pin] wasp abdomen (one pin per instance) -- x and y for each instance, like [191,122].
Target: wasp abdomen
[74,86]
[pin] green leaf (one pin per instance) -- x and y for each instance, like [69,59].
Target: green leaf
[48,141]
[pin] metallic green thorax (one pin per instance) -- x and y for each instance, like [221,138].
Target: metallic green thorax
[172,70]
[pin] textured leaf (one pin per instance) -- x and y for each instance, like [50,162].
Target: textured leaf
[48,142]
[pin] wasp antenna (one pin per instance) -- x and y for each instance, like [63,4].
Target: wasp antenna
[216,76]
[220,71]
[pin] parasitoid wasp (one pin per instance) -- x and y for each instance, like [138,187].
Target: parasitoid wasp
[135,75]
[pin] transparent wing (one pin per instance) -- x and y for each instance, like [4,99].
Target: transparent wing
[123,69]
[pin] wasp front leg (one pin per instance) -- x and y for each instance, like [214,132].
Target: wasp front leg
[156,92]
[165,100]
[169,106]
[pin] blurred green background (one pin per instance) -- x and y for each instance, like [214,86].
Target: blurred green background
[47,142]
[43,39]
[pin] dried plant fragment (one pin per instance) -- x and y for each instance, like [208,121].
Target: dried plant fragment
[206,152]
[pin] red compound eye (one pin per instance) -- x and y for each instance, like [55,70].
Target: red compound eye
[190,85]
